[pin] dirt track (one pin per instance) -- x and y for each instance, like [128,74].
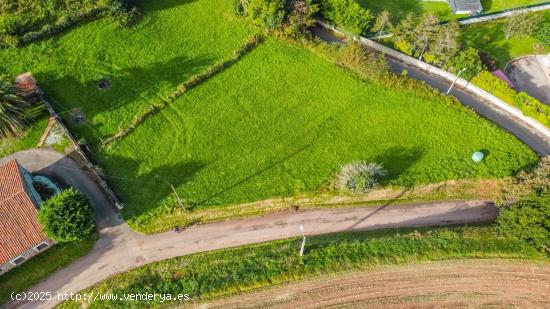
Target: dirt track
[470,283]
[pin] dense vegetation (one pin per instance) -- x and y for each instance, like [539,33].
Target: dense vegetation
[526,212]
[41,266]
[230,271]
[527,104]
[12,112]
[67,216]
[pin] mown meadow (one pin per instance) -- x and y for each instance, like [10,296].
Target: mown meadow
[173,40]
[281,121]
[232,271]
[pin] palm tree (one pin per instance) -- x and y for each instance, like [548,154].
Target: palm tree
[12,111]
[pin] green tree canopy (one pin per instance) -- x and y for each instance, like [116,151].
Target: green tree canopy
[67,216]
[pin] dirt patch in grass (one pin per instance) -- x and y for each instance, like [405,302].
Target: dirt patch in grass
[468,283]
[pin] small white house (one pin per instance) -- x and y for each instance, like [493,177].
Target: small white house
[471,7]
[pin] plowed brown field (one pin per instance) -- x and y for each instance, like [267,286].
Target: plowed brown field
[454,284]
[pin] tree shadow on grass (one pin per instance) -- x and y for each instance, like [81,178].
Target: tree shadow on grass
[147,194]
[397,160]
[160,5]
[398,8]
[125,88]
[484,37]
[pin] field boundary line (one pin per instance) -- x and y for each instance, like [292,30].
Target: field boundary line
[77,147]
[182,88]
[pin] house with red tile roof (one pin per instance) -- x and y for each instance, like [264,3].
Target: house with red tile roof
[21,235]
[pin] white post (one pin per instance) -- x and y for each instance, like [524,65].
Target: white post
[457,77]
[303,240]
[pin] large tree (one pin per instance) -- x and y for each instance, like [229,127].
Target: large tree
[425,34]
[67,216]
[382,22]
[12,111]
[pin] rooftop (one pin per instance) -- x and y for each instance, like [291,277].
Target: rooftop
[19,224]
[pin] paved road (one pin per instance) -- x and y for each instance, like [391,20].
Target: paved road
[528,75]
[531,137]
[61,167]
[119,249]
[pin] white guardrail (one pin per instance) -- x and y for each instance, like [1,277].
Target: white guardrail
[480,19]
[496,102]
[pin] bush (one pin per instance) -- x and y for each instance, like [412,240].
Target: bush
[543,33]
[347,14]
[267,14]
[528,220]
[367,64]
[467,59]
[67,216]
[299,18]
[359,177]
[527,104]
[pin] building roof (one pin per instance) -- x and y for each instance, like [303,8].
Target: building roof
[19,226]
[470,6]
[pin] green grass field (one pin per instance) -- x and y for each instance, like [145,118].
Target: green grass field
[489,37]
[231,271]
[41,266]
[282,121]
[400,8]
[174,40]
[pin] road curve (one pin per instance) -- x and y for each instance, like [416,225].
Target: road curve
[528,135]
[119,249]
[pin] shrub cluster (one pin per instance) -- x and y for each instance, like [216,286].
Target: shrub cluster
[527,104]
[359,177]
[67,216]
[528,220]
[23,21]
[347,14]
[292,17]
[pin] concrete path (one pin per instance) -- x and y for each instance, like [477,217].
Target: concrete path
[117,251]
[528,75]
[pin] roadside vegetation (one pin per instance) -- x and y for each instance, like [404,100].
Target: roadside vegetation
[41,266]
[231,271]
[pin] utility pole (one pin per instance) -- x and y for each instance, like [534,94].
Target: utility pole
[303,241]
[457,77]
[173,189]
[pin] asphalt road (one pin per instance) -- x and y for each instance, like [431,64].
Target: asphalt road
[528,75]
[117,251]
[505,120]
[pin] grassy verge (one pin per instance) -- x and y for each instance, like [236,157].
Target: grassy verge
[224,272]
[41,266]
[29,138]
[282,121]
[173,41]
[469,189]
[489,37]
